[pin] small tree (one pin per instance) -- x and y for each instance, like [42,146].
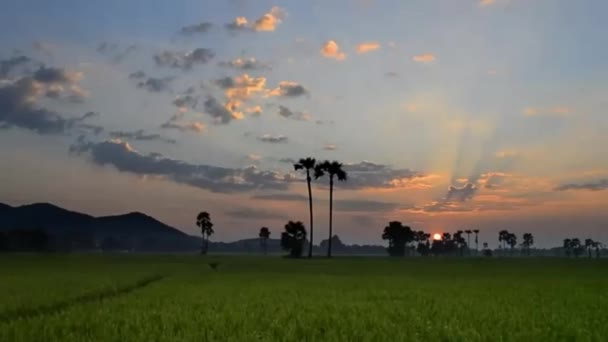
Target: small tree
[528,242]
[512,241]
[293,238]
[203,221]
[398,236]
[577,247]
[567,245]
[264,235]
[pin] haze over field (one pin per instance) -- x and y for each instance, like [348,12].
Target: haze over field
[447,114]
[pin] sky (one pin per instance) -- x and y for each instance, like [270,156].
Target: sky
[446,114]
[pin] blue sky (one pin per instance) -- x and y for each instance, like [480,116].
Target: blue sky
[487,114]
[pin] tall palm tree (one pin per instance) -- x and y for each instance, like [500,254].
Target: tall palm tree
[308,165]
[476,231]
[468,232]
[528,242]
[332,169]
[503,235]
[203,221]
[264,235]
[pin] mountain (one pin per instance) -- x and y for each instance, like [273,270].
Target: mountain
[134,223]
[42,216]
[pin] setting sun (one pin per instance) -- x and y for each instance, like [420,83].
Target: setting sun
[437,236]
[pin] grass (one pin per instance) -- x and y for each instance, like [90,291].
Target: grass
[273,299]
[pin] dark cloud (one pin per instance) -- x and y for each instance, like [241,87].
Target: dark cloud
[224,82]
[462,194]
[124,158]
[117,52]
[155,85]
[600,185]
[141,135]
[288,89]
[364,206]
[190,30]
[280,197]
[184,61]
[391,74]
[13,63]
[371,175]
[185,101]
[238,24]
[289,114]
[221,113]
[244,64]
[255,214]
[18,102]
[267,138]
[177,122]
[138,75]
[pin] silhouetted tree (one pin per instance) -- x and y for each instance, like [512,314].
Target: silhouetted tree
[308,165]
[597,246]
[502,238]
[264,235]
[512,241]
[398,236]
[468,232]
[528,242]
[332,169]
[424,247]
[459,242]
[486,250]
[589,245]
[577,247]
[293,238]
[476,231]
[336,244]
[567,245]
[203,221]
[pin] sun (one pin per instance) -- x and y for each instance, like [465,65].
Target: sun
[437,236]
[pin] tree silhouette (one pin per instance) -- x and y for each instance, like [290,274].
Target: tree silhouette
[577,247]
[459,242]
[597,246]
[398,236]
[264,235]
[476,231]
[589,244]
[293,238]
[528,242]
[332,169]
[424,247]
[567,247]
[502,238]
[512,241]
[468,232]
[203,221]
[308,165]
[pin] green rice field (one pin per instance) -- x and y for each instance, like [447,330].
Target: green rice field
[182,298]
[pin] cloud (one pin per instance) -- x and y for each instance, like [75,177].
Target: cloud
[551,111]
[183,102]
[278,139]
[44,47]
[460,194]
[368,175]
[485,2]
[190,30]
[330,147]
[125,158]
[183,60]
[244,64]
[116,51]
[177,122]
[330,49]
[222,114]
[18,101]
[255,110]
[600,185]
[424,58]
[288,89]
[155,85]
[270,20]
[287,160]
[238,24]
[241,87]
[289,114]
[7,66]
[366,47]
[364,206]
[391,74]
[280,197]
[254,214]
[140,135]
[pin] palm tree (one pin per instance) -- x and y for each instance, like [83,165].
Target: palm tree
[588,245]
[512,241]
[203,221]
[468,232]
[476,231]
[333,169]
[576,247]
[567,246]
[264,235]
[293,238]
[528,242]
[308,164]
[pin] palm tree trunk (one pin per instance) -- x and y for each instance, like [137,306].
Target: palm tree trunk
[310,207]
[331,209]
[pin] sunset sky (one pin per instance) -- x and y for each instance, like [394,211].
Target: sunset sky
[448,114]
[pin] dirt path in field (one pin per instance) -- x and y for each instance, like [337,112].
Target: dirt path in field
[49,309]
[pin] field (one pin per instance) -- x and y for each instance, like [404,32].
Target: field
[181,298]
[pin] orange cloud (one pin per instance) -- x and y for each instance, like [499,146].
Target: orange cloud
[485,2]
[367,47]
[330,49]
[270,20]
[555,111]
[424,58]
